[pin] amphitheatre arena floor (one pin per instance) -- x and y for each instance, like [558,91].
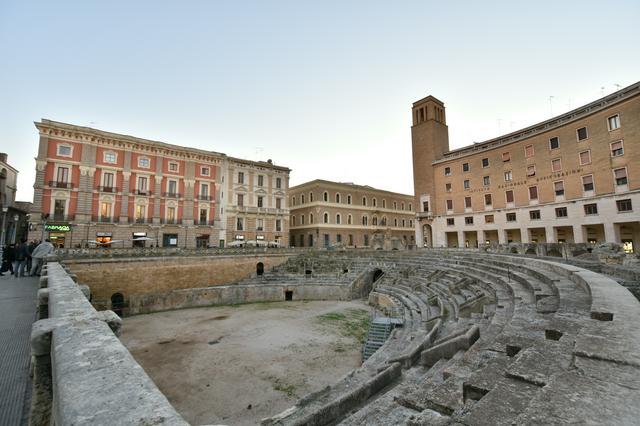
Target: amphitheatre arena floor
[214,363]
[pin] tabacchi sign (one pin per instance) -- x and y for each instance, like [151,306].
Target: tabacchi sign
[57,228]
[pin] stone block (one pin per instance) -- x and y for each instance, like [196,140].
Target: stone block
[571,398]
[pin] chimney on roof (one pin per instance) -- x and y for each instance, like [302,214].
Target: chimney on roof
[3,157]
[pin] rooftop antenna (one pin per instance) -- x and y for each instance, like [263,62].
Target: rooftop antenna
[259,150]
[617,86]
[602,91]
[551,104]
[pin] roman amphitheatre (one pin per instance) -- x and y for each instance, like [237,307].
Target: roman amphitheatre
[327,337]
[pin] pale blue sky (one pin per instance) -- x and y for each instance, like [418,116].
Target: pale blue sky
[324,88]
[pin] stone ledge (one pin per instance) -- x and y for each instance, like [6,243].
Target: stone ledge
[95,378]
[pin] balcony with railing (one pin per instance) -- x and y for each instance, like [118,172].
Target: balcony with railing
[142,192]
[139,220]
[204,222]
[60,184]
[171,195]
[166,221]
[60,217]
[263,210]
[102,219]
[203,197]
[108,188]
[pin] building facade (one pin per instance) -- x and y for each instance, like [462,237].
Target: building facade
[13,214]
[256,210]
[574,178]
[325,214]
[96,188]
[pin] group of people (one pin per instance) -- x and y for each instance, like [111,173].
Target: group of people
[25,259]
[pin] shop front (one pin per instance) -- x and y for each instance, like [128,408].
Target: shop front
[169,240]
[139,239]
[104,239]
[57,233]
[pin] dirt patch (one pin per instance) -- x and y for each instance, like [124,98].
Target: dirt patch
[253,364]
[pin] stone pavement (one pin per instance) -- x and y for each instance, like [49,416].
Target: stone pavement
[17,314]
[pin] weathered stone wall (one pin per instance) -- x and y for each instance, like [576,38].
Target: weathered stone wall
[138,277]
[82,373]
[235,294]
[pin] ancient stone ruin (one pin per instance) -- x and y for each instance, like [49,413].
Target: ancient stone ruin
[477,339]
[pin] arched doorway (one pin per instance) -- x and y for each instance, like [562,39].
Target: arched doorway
[377,274]
[117,303]
[427,236]
[260,268]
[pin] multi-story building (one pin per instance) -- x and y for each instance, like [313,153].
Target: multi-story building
[325,213]
[574,178]
[12,213]
[256,205]
[100,188]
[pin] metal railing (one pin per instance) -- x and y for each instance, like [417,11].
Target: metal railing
[102,219]
[108,188]
[58,184]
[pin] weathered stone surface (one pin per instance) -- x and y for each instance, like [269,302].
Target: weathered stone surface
[482,381]
[616,341]
[538,364]
[162,275]
[571,398]
[96,380]
[501,405]
[621,374]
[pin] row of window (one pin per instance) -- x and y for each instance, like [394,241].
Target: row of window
[338,200]
[613,123]
[240,225]
[364,220]
[623,206]
[619,174]
[241,180]
[260,201]
[617,149]
[111,157]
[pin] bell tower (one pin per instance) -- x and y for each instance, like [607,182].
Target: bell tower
[429,142]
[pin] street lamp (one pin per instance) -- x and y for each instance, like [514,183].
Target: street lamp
[15,228]
[4,221]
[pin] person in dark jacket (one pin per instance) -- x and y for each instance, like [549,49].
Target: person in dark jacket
[31,247]
[8,257]
[21,254]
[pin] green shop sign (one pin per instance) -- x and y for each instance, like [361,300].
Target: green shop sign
[57,228]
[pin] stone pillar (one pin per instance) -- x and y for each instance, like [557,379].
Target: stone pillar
[124,205]
[419,234]
[189,192]
[524,236]
[610,234]
[85,191]
[461,239]
[550,234]
[157,190]
[481,238]
[578,234]
[502,236]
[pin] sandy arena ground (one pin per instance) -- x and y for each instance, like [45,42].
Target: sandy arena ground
[237,365]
